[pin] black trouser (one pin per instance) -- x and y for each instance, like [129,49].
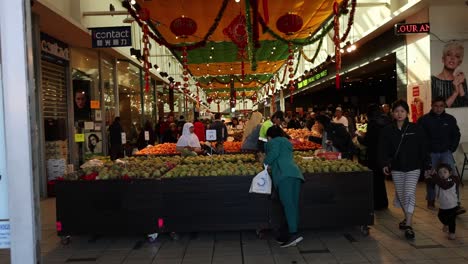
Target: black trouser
[447,217]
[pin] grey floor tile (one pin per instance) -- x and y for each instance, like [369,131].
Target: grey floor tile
[227,259]
[320,258]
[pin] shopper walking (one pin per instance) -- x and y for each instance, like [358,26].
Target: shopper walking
[335,137]
[287,180]
[442,139]
[252,132]
[276,119]
[446,192]
[221,133]
[377,121]
[402,154]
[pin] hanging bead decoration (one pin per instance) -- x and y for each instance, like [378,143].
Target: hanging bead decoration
[337,41]
[146,57]
[290,67]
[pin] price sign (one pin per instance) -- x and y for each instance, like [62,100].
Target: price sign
[147,136]
[79,137]
[211,134]
[124,138]
[95,104]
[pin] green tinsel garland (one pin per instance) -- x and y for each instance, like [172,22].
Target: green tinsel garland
[315,54]
[252,51]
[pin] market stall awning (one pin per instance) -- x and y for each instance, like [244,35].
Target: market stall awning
[222,50]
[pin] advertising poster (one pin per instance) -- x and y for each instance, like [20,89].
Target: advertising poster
[81,99]
[449,54]
[93,143]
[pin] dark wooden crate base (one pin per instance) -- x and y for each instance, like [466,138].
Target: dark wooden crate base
[193,204]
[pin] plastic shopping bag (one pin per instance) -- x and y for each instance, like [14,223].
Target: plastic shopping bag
[261,183]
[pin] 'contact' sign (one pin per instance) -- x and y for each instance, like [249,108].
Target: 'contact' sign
[107,37]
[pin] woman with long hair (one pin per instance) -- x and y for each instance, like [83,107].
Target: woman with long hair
[251,132]
[402,154]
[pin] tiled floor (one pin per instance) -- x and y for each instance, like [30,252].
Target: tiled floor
[385,244]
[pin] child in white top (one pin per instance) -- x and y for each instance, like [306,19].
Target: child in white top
[446,185]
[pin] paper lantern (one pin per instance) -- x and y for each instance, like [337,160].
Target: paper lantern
[289,23]
[183,27]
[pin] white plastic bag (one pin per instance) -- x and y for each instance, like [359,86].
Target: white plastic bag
[261,183]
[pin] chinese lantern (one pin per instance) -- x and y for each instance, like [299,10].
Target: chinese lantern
[183,27]
[289,23]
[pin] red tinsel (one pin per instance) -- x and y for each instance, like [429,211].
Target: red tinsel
[337,41]
[146,57]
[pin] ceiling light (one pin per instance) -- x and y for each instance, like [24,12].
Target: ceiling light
[212,47]
[132,2]
[211,57]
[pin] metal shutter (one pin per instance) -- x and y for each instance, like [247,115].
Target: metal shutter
[54,91]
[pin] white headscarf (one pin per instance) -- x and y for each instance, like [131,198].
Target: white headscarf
[187,138]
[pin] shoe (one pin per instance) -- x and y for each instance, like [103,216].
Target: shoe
[431,205]
[293,241]
[460,210]
[445,229]
[281,239]
[402,225]
[452,236]
[409,233]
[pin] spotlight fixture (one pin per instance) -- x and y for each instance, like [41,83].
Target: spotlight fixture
[329,58]
[135,53]
[171,79]
[132,2]
[156,67]
[164,74]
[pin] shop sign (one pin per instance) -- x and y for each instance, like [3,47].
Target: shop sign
[54,50]
[403,28]
[107,37]
[211,134]
[312,79]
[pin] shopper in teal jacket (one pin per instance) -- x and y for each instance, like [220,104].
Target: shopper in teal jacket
[287,179]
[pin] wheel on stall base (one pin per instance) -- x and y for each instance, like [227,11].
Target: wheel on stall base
[65,240]
[260,233]
[365,230]
[174,236]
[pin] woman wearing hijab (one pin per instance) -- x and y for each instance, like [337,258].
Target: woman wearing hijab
[188,141]
[251,132]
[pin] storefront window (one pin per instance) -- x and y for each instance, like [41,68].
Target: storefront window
[86,98]
[107,73]
[130,104]
[150,103]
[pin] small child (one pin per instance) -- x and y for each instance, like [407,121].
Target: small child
[446,185]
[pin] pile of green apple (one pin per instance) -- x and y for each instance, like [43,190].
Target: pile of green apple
[134,167]
[234,158]
[220,169]
[325,166]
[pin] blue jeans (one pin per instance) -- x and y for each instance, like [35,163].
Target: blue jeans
[436,159]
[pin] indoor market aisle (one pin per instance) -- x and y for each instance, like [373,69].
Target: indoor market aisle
[385,244]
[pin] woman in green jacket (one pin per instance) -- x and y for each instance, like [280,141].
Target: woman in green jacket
[287,179]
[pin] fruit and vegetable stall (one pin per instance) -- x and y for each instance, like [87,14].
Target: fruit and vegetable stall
[154,194]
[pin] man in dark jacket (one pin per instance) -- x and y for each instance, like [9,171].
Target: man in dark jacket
[221,132]
[442,139]
[377,121]
[335,137]
[115,139]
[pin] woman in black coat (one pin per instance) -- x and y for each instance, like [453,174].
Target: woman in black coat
[402,154]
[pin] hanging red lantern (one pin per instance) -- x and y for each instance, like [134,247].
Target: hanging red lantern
[289,23]
[209,100]
[183,27]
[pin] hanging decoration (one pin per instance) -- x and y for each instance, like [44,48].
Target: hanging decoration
[183,27]
[273,98]
[289,23]
[319,46]
[198,94]
[146,57]
[237,32]
[291,71]
[157,36]
[350,18]
[337,42]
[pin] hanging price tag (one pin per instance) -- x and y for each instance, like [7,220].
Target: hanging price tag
[147,137]
[124,138]
[211,134]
